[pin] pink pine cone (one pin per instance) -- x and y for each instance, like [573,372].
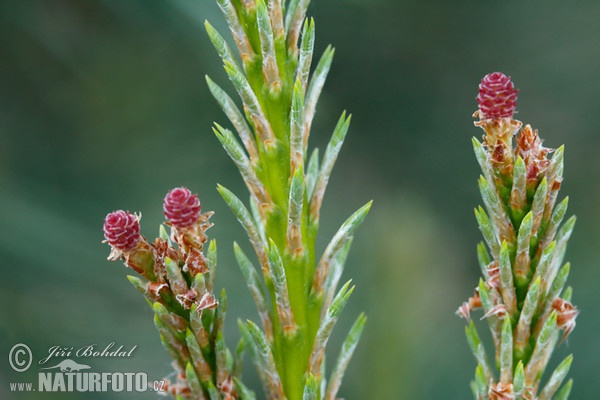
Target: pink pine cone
[497,96]
[181,207]
[122,230]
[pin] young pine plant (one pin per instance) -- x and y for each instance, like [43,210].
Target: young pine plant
[297,297]
[521,291]
[176,279]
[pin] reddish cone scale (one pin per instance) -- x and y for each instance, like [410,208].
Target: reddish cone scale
[181,207]
[122,230]
[497,96]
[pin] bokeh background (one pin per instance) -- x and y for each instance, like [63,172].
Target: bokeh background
[103,106]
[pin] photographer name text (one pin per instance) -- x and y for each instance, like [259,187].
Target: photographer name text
[88,351]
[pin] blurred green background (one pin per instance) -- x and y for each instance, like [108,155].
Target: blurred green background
[103,106]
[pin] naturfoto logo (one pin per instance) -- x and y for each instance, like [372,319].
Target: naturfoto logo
[70,379]
[68,375]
